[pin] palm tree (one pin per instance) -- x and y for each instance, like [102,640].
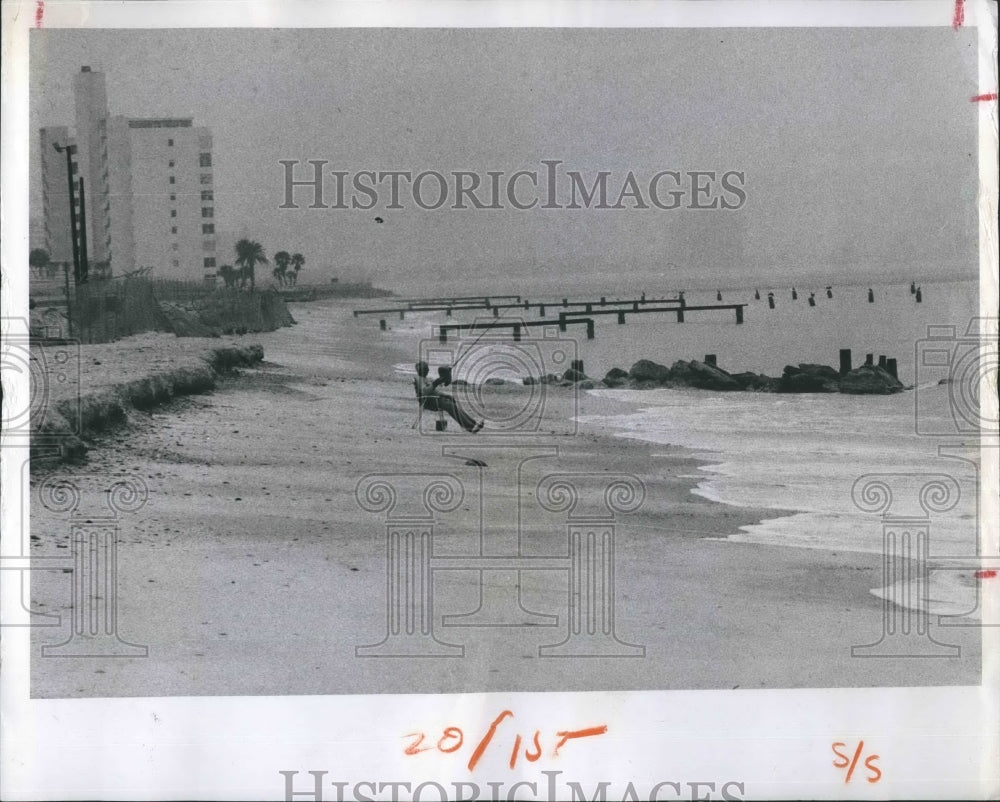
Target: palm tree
[228,275]
[281,260]
[248,255]
[298,260]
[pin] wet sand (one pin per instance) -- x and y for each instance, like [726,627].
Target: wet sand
[253,569]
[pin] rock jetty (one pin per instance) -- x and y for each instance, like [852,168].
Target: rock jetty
[802,378]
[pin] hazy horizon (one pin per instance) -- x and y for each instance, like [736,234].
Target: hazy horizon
[858,145]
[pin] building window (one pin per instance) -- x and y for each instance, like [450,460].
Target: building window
[173,213]
[170,163]
[173,197]
[208,228]
[205,159]
[173,229]
[173,180]
[170,144]
[206,178]
[209,261]
[176,262]
[207,211]
[206,194]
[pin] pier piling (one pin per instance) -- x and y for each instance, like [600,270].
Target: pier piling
[680,314]
[590,329]
[845,361]
[402,315]
[919,295]
[871,295]
[381,324]
[890,368]
[739,314]
[770,300]
[881,361]
[541,310]
[517,333]
[621,318]
[869,359]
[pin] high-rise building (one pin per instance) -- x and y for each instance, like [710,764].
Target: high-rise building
[148,185]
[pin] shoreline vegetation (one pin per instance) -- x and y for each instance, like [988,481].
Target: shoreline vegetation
[76,415]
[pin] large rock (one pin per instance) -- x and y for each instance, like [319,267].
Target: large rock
[755,381]
[809,378]
[616,377]
[574,375]
[702,376]
[646,370]
[869,380]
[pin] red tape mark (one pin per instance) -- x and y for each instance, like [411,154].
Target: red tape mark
[959,16]
[986,574]
[39,13]
[983,98]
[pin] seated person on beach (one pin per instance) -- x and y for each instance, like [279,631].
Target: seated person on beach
[431,399]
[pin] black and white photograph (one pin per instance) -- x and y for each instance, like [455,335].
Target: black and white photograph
[602,363]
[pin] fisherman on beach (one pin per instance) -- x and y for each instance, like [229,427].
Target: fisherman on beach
[434,401]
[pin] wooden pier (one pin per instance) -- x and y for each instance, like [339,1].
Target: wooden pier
[679,310]
[514,325]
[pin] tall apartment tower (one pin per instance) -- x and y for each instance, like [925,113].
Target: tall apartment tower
[91,98]
[148,184]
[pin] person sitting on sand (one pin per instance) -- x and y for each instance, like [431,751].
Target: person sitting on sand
[431,399]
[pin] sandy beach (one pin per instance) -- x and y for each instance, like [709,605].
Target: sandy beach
[252,568]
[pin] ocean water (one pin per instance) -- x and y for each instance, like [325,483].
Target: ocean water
[799,454]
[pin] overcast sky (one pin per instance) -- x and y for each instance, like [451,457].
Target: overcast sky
[858,145]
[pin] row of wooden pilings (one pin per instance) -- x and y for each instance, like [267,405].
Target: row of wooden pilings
[887,364]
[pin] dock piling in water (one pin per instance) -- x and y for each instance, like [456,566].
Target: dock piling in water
[381,324]
[621,318]
[919,295]
[869,359]
[871,295]
[590,329]
[845,361]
